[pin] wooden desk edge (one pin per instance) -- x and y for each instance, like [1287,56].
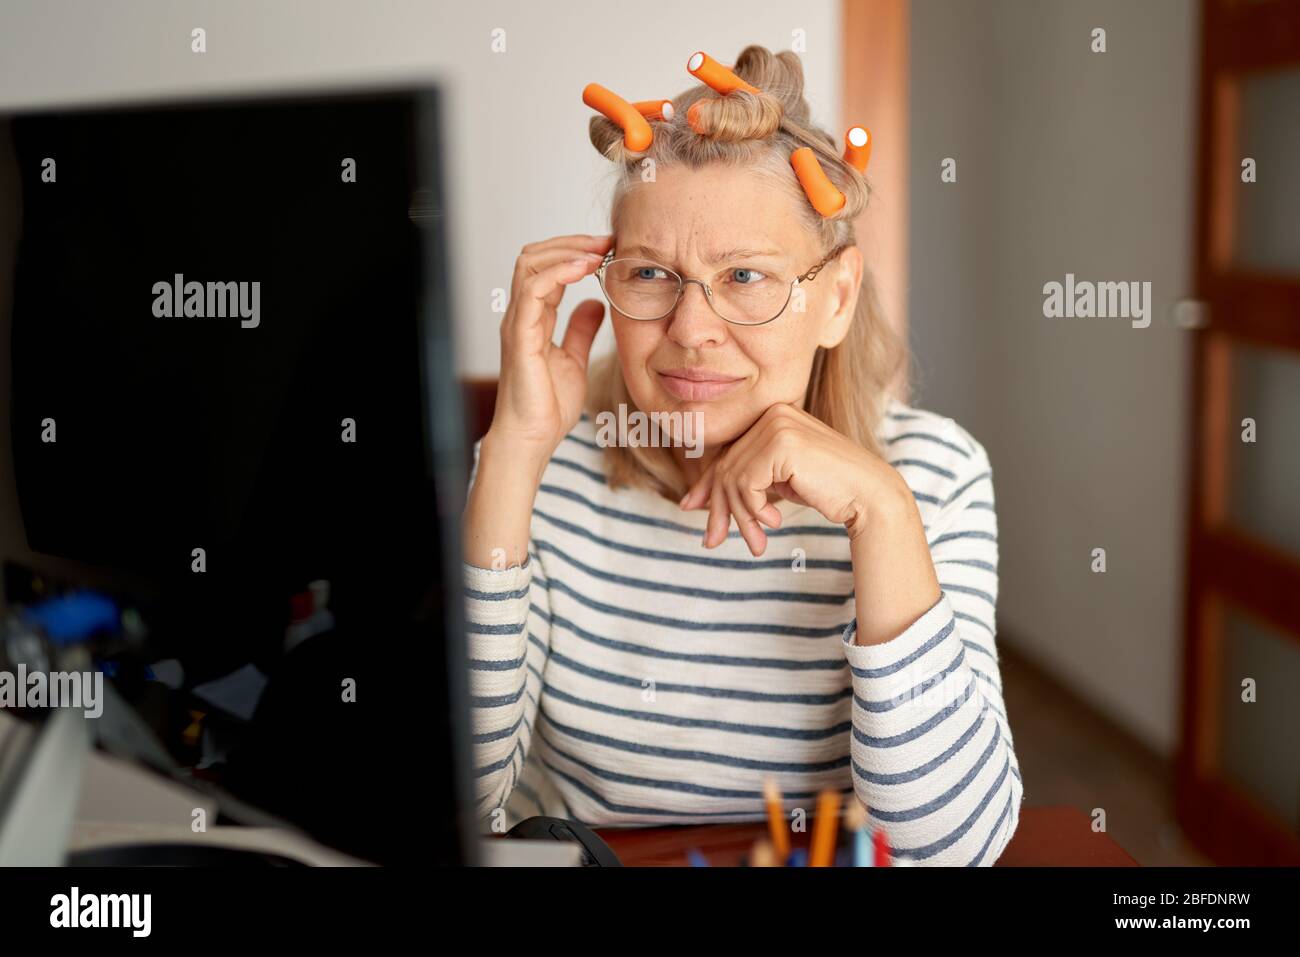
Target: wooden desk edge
[1045,837]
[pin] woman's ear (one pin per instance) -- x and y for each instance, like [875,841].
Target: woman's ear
[846,281]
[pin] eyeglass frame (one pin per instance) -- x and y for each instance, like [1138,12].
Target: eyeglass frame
[682,282]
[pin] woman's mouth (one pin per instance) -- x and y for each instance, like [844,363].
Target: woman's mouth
[697,385]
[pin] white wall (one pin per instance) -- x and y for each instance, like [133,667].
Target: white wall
[522,168]
[1068,161]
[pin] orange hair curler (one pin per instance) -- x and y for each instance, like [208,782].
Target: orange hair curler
[655,109]
[821,192]
[692,116]
[717,77]
[709,71]
[637,135]
[857,147]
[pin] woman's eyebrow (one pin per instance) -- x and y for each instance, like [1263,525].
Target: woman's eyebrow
[739,252]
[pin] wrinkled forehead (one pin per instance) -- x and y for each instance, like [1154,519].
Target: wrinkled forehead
[707,213]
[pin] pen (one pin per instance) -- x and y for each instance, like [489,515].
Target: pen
[881,844]
[776,820]
[855,820]
[825,828]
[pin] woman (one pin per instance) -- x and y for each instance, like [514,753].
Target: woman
[633,659]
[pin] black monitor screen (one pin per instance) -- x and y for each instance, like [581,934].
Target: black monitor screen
[229,355]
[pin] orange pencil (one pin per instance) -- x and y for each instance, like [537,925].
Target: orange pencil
[825,829]
[776,820]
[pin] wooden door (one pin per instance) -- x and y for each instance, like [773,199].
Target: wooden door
[1239,764]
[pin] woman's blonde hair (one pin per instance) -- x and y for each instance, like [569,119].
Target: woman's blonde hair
[848,385]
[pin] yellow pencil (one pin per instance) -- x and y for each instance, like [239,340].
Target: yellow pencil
[824,829]
[776,821]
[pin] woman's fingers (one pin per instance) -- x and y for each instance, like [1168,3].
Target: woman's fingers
[540,294]
[756,503]
[735,494]
[583,241]
[746,484]
[746,480]
[552,299]
[715,532]
[539,256]
[786,491]
[722,507]
[584,323]
[750,530]
[697,496]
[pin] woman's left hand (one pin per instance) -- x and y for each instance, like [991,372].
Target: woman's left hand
[802,459]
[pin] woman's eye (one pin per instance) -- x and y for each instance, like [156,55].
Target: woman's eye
[747,277]
[649,272]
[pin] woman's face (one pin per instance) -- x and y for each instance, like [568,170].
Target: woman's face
[694,222]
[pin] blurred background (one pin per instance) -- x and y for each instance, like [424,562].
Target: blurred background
[1107,140]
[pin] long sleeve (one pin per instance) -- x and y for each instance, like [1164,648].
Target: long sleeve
[506,611]
[931,749]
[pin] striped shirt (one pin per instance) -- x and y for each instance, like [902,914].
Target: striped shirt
[625,675]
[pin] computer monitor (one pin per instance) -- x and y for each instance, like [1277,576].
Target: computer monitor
[232,377]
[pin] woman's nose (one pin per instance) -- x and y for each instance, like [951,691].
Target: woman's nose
[693,323]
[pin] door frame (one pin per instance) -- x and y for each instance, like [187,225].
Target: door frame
[1224,565]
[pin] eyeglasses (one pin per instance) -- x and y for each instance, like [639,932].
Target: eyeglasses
[645,290]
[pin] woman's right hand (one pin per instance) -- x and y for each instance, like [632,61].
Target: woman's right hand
[542,385]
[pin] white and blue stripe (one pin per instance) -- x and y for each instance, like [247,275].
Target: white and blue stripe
[625,675]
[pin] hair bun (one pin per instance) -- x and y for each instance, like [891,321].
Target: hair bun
[771,90]
[736,117]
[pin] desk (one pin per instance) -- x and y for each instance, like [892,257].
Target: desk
[1045,837]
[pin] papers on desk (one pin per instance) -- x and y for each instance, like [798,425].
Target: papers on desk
[236,693]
